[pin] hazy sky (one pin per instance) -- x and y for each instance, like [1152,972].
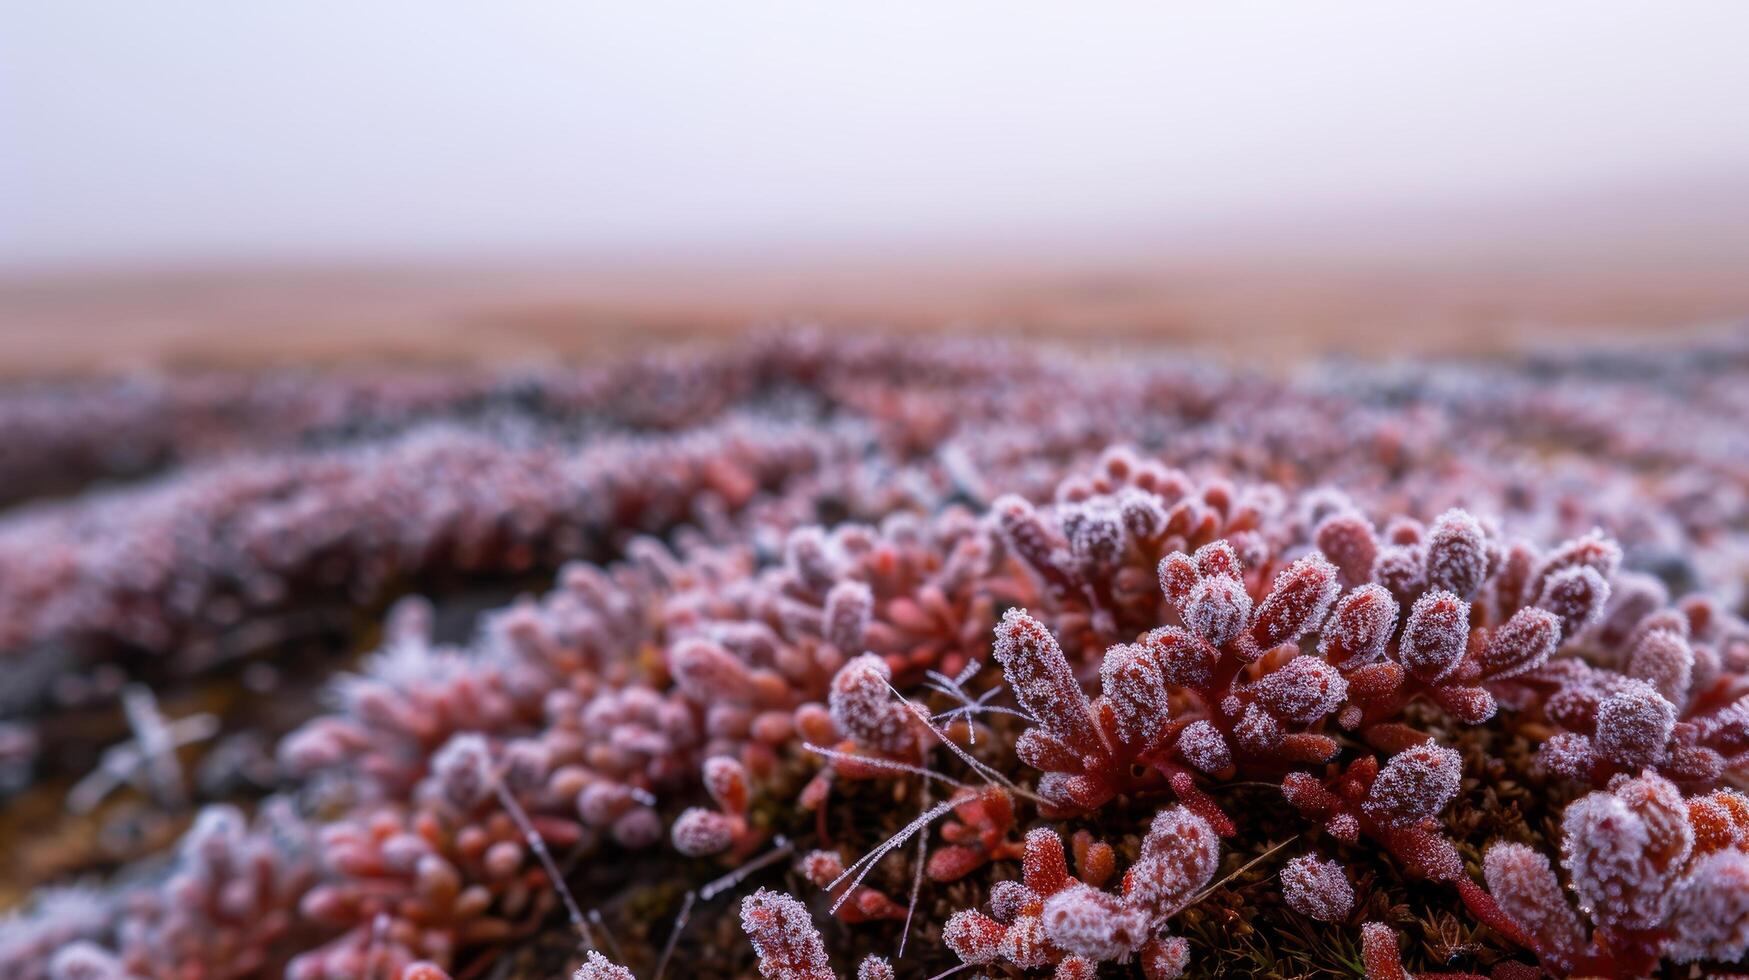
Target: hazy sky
[177,130]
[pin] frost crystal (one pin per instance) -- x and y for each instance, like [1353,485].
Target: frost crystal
[1710,911]
[1042,680]
[598,967]
[1360,627]
[784,936]
[1521,644]
[1624,848]
[1303,690]
[1435,637]
[1217,609]
[1318,889]
[1634,725]
[1521,880]
[1416,784]
[864,708]
[1457,554]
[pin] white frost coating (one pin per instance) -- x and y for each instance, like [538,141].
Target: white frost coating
[1709,914]
[1521,881]
[874,968]
[1521,644]
[863,706]
[1435,636]
[1297,602]
[1218,609]
[1634,725]
[1088,922]
[784,936]
[1577,595]
[1457,553]
[699,832]
[1042,680]
[1130,678]
[848,607]
[1318,889]
[1202,745]
[1414,785]
[1178,857]
[1360,626]
[1663,659]
[1303,690]
[599,967]
[1623,849]
[463,768]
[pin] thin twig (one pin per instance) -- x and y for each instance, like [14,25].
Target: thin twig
[783,846]
[1248,865]
[680,921]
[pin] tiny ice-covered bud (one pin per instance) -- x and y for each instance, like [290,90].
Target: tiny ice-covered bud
[1044,867]
[1179,856]
[1634,725]
[863,706]
[1593,551]
[848,607]
[1720,820]
[1457,554]
[973,936]
[1360,627]
[1527,890]
[726,780]
[1663,659]
[1298,602]
[1010,898]
[1185,660]
[784,937]
[1414,785]
[1399,568]
[463,768]
[1218,558]
[1075,968]
[1318,889]
[1435,636]
[1025,944]
[1024,531]
[1303,690]
[1709,914]
[874,967]
[1575,594]
[699,832]
[1043,681]
[707,673]
[1348,540]
[820,867]
[1130,678]
[1623,849]
[1096,537]
[1088,922]
[1568,755]
[598,967]
[1379,955]
[1178,575]
[1217,609]
[1521,644]
[807,558]
[1165,958]
[1144,517]
[1202,745]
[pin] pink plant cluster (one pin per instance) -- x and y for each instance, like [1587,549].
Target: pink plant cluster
[949,572]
